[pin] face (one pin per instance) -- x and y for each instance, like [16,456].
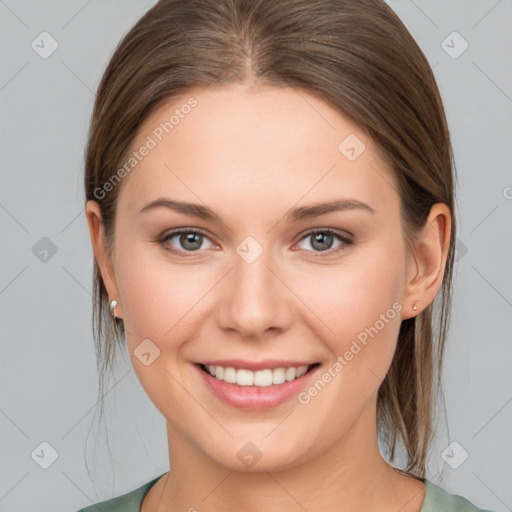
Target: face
[263,278]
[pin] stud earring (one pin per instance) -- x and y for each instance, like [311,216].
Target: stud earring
[113,305]
[415,307]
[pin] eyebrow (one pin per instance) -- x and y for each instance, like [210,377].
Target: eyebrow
[300,213]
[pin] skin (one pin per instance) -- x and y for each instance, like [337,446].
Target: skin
[251,154]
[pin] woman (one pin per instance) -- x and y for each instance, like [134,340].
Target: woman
[269,195]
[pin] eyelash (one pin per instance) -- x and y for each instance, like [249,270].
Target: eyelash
[346,241]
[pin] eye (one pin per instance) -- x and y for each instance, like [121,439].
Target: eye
[189,240]
[192,240]
[321,240]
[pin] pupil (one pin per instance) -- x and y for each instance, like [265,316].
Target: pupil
[323,238]
[192,238]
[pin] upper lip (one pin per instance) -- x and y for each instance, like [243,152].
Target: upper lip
[256,365]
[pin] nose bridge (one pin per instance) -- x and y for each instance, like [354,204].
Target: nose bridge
[252,277]
[254,301]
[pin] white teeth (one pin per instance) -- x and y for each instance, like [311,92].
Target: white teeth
[301,371]
[260,378]
[278,376]
[263,378]
[230,375]
[244,377]
[291,373]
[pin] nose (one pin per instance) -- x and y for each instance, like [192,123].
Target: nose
[255,300]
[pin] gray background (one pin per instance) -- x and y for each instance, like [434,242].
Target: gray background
[48,376]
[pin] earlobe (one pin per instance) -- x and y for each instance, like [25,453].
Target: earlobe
[103,259]
[430,254]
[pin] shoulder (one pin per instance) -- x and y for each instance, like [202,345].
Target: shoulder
[129,502]
[438,500]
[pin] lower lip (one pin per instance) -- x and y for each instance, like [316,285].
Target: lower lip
[254,397]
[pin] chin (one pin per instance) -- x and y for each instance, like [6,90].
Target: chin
[257,456]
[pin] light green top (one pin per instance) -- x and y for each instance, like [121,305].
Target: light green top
[436,500]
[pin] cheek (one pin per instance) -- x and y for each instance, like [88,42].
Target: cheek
[357,306]
[161,303]
[159,297]
[165,302]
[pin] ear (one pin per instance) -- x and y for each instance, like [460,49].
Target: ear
[425,273]
[93,215]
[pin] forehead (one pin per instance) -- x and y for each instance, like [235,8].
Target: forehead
[242,140]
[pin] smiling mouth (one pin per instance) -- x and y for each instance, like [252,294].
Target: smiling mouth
[259,378]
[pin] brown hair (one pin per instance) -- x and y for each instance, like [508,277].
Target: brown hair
[359,57]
